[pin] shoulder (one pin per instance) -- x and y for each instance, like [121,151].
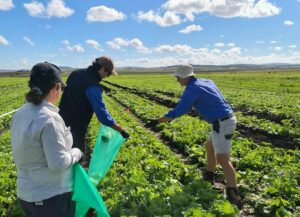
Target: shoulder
[49,117]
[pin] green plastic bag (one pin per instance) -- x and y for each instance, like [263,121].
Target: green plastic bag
[85,193]
[106,148]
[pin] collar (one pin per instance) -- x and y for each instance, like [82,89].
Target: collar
[50,106]
[191,81]
[94,73]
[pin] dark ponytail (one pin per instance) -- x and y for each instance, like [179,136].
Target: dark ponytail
[36,95]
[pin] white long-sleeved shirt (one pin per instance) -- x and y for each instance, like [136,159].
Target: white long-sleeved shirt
[41,147]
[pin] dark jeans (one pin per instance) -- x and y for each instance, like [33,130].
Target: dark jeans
[57,206]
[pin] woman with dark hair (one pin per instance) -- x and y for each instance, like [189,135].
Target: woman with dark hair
[42,148]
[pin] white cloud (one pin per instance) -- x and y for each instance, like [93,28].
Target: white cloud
[273,42]
[35,9]
[168,19]
[74,48]
[104,14]
[207,58]
[259,42]
[191,28]
[164,48]
[138,44]
[288,23]
[231,44]
[6,5]
[28,40]
[219,44]
[118,43]
[216,51]
[3,41]
[293,46]
[172,10]
[233,51]
[66,42]
[94,44]
[277,48]
[55,8]
[178,48]
[223,8]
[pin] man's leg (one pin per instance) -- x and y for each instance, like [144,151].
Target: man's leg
[210,156]
[228,169]
[79,141]
[222,145]
[229,173]
[209,173]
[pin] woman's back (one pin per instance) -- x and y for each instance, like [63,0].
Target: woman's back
[38,135]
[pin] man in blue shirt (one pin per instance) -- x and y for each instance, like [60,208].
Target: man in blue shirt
[205,97]
[82,97]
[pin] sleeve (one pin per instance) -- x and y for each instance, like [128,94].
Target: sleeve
[53,140]
[94,95]
[184,105]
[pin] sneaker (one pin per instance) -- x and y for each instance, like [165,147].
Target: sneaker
[208,176]
[234,197]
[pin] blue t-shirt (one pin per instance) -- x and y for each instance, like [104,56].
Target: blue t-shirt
[94,95]
[205,97]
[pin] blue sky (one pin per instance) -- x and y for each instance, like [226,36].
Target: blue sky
[149,33]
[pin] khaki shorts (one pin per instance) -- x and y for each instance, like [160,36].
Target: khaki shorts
[222,140]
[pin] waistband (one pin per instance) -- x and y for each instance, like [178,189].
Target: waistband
[224,118]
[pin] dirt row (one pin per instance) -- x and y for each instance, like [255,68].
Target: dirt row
[256,135]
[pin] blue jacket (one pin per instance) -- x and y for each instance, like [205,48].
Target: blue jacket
[205,97]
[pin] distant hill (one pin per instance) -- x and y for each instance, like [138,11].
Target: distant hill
[197,68]
[211,68]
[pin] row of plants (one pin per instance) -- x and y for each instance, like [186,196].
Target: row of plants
[8,82]
[268,103]
[276,133]
[260,168]
[148,179]
[12,97]
[7,176]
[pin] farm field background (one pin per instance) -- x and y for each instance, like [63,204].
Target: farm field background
[158,171]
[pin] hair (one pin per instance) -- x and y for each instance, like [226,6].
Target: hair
[36,95]
[96,66]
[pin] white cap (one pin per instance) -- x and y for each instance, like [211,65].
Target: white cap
[184,71]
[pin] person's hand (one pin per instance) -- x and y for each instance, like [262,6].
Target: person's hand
[125,134]
[152,123]
[77,155]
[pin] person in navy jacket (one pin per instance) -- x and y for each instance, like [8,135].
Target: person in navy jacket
[82,97]
[205,97]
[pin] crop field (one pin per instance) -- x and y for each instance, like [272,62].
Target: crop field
[158,170]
